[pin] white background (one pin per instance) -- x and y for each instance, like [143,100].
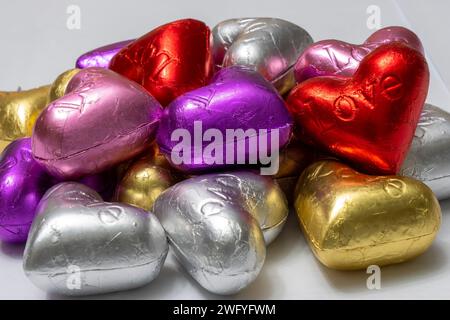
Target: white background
[36,46]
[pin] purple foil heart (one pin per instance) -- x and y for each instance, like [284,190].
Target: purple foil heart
[23,182]
[102,120]
[237,98]
[338,58]
[100,57]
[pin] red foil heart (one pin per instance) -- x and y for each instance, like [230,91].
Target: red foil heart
[169,60]
[368,119]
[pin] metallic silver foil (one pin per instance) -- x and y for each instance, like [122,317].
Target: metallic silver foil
[428,159]
[268,45]
[80,245]
[211,229]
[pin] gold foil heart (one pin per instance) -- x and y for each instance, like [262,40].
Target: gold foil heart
[352,220]
[143,182]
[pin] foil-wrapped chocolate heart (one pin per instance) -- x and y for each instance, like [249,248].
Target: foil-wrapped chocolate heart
[368,119]
[143,182]
[352,220]
[169,61]
[268,45]
[23,182]
[240,111]
[102,120]
[218,224]
[80,245]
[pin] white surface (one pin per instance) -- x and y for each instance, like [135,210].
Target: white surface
[37,46]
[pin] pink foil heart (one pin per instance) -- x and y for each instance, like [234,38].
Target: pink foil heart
[338,58]
[102,120]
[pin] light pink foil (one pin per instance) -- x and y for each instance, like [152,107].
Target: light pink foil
[338,58]
[102,120]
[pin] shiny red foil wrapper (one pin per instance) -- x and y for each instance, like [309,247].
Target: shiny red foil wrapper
[168,61]
[369,119]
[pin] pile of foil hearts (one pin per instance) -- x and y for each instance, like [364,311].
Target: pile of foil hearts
[162,141]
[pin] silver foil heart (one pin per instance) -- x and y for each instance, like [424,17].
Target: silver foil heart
[211,225]
[270,46]
[80,245]
[428,159]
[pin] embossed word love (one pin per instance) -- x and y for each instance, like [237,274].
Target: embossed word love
[368,119]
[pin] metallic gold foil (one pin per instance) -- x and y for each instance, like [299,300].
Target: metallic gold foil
[143,182]
[19,111]
[352,220]
[58,88]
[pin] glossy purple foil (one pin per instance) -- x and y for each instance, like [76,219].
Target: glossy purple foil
[338,58]
[23,182]
[100,57]
[103,119]
[237,98]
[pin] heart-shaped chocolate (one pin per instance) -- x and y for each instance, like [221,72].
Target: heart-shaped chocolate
[102,120]
[352,220]
[168,61]
[143,182]
[23,182]
[267,45]
[80,245]
[370,118]
[428,159]
[238,101]
[100,57]
[338,58]
[19,111]
[214,225]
